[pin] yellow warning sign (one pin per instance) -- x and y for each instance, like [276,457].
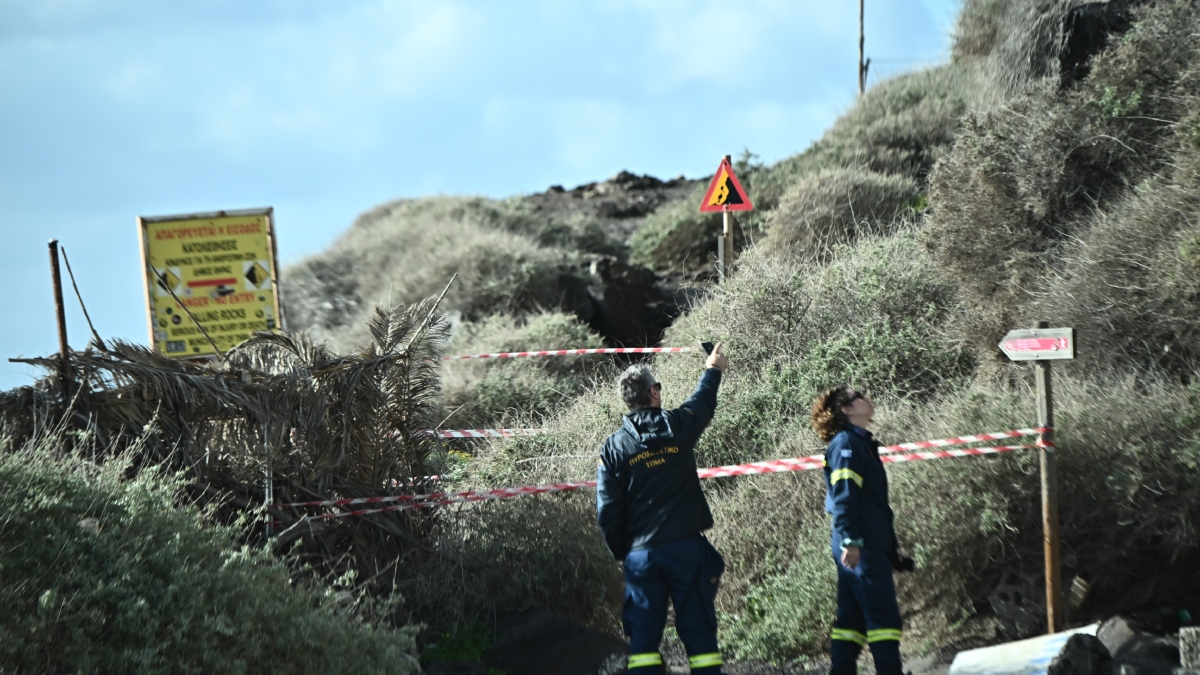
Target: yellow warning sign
[221,267]
[721,193]
[725,192]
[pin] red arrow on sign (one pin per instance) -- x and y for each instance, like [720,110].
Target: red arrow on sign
[1037,344]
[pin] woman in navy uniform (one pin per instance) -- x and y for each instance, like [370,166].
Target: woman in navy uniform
[864,541]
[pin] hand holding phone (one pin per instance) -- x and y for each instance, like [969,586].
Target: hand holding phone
[716,359]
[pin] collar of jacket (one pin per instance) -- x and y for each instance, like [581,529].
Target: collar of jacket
[860,431]
[647,424]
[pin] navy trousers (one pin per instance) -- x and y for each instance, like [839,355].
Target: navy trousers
[867,614]
[688,572]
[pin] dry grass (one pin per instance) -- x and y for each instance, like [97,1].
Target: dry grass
[1023,183]
[488,393]
[405,251]
[834,207]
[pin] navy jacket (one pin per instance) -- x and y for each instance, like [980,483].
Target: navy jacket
[857,491]
[647,490]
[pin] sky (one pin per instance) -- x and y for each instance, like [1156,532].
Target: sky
[113,110]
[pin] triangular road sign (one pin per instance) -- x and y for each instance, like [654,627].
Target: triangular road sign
[725,193]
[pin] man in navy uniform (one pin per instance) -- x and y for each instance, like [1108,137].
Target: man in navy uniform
[652,512]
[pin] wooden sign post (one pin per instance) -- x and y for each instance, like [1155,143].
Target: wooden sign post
[1041,345]
[725,194]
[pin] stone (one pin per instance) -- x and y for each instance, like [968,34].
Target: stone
[1019,606]
[1189,647]
[1082,655]
[1128,642]
[1116,632]
[1086,30]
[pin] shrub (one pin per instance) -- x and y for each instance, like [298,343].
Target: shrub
[833,206]
[1013,42]
[1129,283]
[406,251]
[677,235]
[483,393]
[107,574]
[899,127]
[1023,181]
[1125,452]
[891,137]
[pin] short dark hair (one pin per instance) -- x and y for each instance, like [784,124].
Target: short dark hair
[634,385]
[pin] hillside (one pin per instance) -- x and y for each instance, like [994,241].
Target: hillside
[1050,170]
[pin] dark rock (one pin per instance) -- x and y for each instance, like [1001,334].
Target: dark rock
[632,181]
[556,189]
[1082,655]
[633,311]
[1086,29]
[1151,649]
[543,643]
[1019,606]
[1130,643]
[456,668]
[1116,633]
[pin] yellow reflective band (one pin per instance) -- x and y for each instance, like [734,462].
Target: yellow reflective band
[705,660]
[643,660]
[845,474]
[882,634]
[849,635]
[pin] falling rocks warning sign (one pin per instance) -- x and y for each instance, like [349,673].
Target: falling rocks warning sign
[725,192]
[221,267]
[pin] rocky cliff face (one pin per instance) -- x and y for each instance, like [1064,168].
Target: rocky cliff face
[559,250]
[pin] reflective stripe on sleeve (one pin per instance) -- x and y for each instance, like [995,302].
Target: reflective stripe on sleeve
[849,635]
[845,474]
[643,660]
[705,660]
[883,634]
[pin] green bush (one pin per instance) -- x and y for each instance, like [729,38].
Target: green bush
[407,251]
[901,126]
[834,206]
[1025,182]
[677,235]
[486,392]
[104,573]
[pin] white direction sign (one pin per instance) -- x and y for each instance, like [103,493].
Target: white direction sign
[1039,344]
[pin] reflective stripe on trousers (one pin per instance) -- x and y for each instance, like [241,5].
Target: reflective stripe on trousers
[645,660]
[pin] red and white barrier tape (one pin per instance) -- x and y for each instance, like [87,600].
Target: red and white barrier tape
[772,466]
[574,352]
[482,433]
[963,440]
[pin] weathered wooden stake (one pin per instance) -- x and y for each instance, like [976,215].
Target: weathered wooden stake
[64,364]
[1045,405]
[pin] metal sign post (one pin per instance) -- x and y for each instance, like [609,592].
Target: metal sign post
[725,194]
[1043,344]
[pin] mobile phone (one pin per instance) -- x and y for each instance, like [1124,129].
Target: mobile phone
[708,347]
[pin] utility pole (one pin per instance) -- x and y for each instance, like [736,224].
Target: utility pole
[862,39]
